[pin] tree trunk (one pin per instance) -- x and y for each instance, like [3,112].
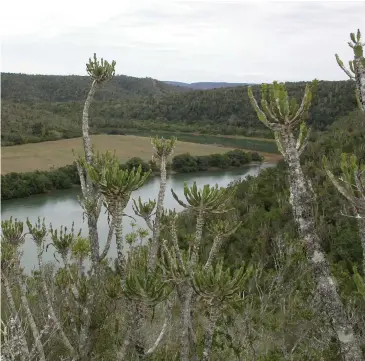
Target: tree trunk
[209,333]
[217,244]
[360,80]
[50,309]
[361,224]
[85,123]
[302,210]
[198,237]
[159,209]
[32,324]
[185,295]
[24,354]
[118,215]
[92,222]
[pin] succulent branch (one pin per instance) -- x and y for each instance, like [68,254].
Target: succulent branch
[218,285]
[115,183]
[220,229]
[351,184]
[100,71]
[144,210]
[209,199]
[302,141]
[163,148]
[141,285]
[38,231]
[277,109]
[63,240]
[357,67]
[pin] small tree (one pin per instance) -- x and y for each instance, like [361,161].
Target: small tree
[283,117]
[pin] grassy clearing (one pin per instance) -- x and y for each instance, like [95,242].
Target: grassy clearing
[44,156]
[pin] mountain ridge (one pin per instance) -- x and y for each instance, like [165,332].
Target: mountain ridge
[205,85]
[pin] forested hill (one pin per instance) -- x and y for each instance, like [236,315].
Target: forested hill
[231,106]
[59,88]
[38,107]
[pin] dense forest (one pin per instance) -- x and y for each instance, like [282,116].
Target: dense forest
[38,108]
[270,268]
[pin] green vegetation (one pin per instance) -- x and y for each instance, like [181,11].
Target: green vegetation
[186,163]
[36,109]
[270,268]
[18,185]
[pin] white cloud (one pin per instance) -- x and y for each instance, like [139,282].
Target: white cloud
[183,40]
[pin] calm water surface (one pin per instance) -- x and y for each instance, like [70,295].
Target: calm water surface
[62,207]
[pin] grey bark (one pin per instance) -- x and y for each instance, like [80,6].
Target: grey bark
[198,237]
[108,241]
[302,210]
[209,333]
[85,123]
[92,215]
[50,309]
[360,80]
[185,294]
[118,221]
[217,244]
[361,225]
[24,355]
[31,321]
[159,209]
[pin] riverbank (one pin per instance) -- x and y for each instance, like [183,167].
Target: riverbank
[61,207]
[21,185]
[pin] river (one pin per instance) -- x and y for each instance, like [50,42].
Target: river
[62,207]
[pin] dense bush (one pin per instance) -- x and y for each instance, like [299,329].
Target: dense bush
[18,185]
[187,163]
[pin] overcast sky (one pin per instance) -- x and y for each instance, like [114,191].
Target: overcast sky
[185,40]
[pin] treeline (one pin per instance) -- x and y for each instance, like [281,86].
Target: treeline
[187,163]
[25,88]
[18,185]
[28,117]
[228,106]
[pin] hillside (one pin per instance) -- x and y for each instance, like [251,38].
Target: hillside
[57,88]
[205,85]
[229,106]
[38,108]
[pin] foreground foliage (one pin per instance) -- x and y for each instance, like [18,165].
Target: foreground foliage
[230,277]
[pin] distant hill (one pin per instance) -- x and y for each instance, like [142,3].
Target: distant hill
[205,85]
[60,88]
[49,107]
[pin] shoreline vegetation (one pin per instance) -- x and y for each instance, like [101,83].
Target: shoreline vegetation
[44,156]
[21,185]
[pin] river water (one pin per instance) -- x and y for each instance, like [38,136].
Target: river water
[62,207]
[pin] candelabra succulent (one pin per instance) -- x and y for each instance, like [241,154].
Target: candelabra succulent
[282,117]
[141,285]
[351,184]
[357,67]
[219,289]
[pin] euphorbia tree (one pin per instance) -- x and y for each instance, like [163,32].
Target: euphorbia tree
[283,117]
[116,186]
[181,265]
[219,289]
[100,72]
[351,185]
[357,67]
[162,149]
[12,239]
